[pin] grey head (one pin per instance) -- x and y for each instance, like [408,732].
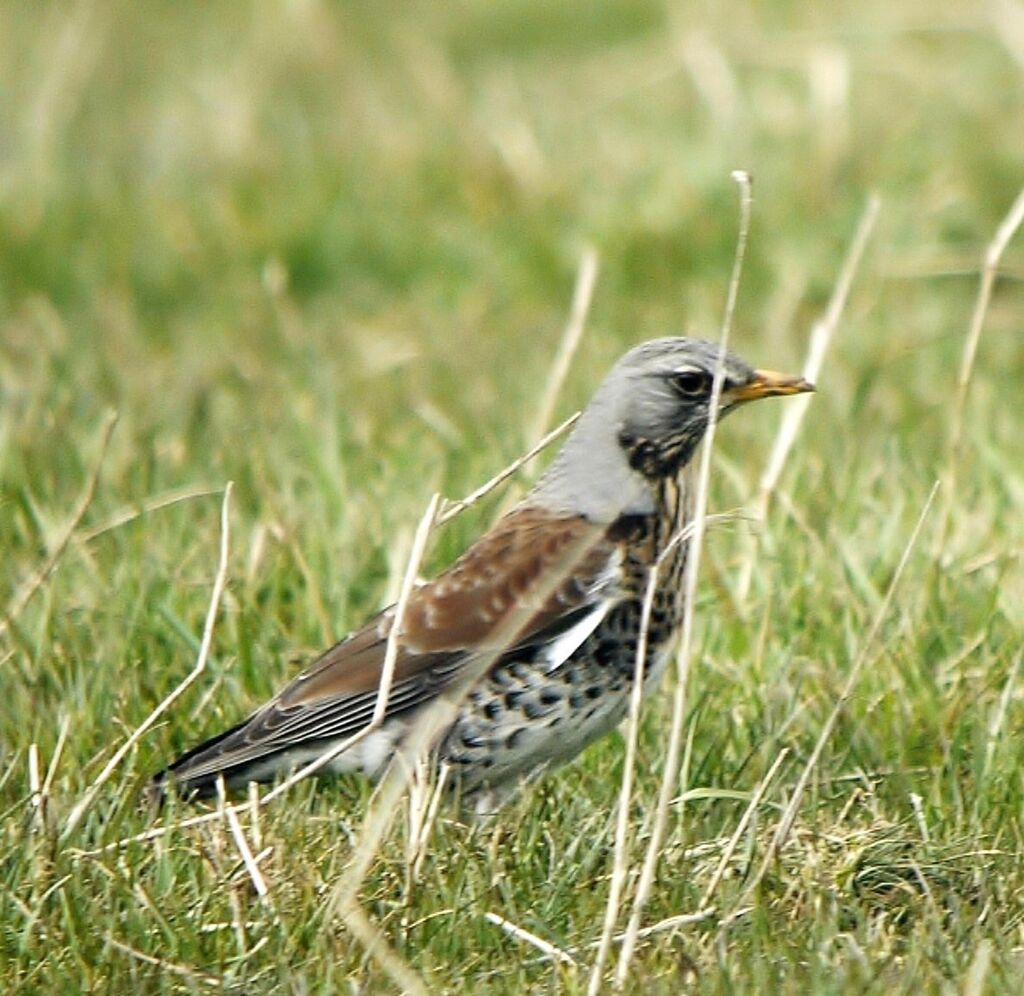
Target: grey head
[644,423]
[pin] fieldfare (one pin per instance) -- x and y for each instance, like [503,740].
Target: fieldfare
[550,599]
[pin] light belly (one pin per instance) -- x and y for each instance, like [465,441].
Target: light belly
[510,747]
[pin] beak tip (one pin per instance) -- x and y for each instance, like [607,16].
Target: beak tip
[769,384]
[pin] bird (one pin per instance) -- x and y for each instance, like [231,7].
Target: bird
[540,617]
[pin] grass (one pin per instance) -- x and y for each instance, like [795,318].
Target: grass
[326,252]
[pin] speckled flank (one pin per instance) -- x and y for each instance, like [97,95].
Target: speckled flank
[525,717]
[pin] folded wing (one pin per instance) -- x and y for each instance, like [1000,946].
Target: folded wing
[562,565]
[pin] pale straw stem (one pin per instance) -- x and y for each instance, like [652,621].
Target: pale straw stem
[452,509]
[989,271]
[520,933]
[789,815]
[204,652]
[741,827]
[670,773]
[582,295]
[792,418]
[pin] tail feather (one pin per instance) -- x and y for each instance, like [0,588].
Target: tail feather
[176,776]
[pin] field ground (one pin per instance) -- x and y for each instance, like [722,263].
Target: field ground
[326,252]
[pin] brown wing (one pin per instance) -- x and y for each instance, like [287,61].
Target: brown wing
[464,606]
[461,613]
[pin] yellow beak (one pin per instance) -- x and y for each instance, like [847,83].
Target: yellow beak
[769,384]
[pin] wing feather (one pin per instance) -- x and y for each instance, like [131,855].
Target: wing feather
[448,621]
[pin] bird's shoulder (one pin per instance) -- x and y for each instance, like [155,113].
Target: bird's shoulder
[532,573]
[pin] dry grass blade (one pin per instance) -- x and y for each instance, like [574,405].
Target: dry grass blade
[419,547]
[35,788]
[546,947]
[131,512]
[51,772]
[27,590]
[977,971]
[670,772]
[917,804]
[155,833]
[741,827]
[455,508]
[40,793]
[259,883]
[989,271]
[582,294]
[204,652]
[1008,19]
[661,927]
[671,923]
[376,946]
[793,416]
[421,830]
[620,865]
[254,814]
[238,922]
[789,815]
[996,725]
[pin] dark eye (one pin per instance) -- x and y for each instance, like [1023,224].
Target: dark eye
[691,383]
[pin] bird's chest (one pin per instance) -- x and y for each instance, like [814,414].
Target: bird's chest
[530,713]
[654,549]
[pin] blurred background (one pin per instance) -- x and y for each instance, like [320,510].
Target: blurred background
[327,251]
[219,219]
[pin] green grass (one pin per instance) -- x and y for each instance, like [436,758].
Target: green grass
[326,252]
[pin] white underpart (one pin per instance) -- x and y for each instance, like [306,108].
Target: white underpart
[603,591]
[369,757]
[560,649]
